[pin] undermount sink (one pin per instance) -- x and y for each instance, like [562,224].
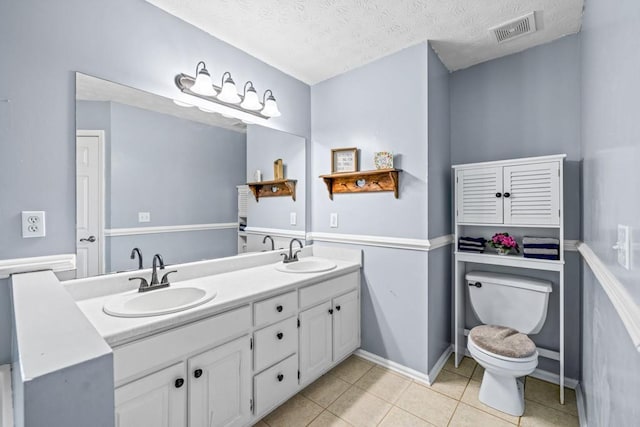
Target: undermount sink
[157,302]
[307,265]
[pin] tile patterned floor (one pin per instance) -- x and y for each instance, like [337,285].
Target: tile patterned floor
[361,394]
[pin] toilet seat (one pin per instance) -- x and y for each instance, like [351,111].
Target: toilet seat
[516,367]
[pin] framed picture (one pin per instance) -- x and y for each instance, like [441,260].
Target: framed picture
[344,160]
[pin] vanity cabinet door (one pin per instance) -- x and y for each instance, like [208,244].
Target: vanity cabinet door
[479,196]
[532,194]
[346,324]
[157,400]
[315,341]
[219,386]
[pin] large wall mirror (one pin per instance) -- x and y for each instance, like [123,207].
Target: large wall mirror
[165,178]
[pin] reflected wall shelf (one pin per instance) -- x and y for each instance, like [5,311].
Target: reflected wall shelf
[362,182]
[276,188]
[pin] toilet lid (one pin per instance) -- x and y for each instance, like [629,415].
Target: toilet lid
[503,341]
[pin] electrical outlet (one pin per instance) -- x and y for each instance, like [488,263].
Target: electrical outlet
[293,218]
[333,220]
[33,224]
[144,216]
[623,246]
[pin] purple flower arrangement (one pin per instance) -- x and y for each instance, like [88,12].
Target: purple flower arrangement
[504,243]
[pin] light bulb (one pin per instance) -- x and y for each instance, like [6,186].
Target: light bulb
[203,84]
[229,93]
[251,100]
[270,107]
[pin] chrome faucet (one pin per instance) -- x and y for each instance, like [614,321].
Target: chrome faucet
[270,238]
[155,284]
[292,257]
[135,251]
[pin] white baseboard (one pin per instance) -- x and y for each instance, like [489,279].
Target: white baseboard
[582,408]
[393,366]
[433,373]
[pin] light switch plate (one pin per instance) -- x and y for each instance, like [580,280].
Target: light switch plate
[33,224]
[623,246]
[333,220]
[293,218]
[144,216]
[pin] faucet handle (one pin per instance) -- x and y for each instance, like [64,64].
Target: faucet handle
[295,255]
[286,257]
[143,281]
[165,278]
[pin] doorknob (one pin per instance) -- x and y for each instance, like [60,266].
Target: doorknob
[90,239]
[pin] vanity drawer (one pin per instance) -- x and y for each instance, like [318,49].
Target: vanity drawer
[275,342]
[274,309]
[275,384]
[146,355]
[315,294]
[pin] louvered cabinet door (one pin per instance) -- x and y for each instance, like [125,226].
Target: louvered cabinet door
[532,194]
[479,196]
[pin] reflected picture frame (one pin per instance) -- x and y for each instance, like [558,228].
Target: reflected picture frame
[344,160]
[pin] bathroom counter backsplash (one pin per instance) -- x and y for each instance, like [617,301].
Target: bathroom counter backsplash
[245,283]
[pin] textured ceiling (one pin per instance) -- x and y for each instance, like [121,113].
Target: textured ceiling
[90,88]
[314,40]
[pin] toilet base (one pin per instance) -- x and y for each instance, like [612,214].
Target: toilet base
[504,393]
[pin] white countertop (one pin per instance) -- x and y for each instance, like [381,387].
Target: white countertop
[234,289]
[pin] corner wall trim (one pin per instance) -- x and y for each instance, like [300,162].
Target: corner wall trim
[280,232]
[396,367]
[582,409]
[64,262]
[623,303]
[134,231]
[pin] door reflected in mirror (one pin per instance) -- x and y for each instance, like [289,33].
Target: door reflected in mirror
[166,179]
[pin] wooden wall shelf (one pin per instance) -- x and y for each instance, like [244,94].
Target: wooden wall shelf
[362,182]
[276,188]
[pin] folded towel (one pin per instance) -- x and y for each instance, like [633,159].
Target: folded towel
[539,240]
[540,256]
[541,251]
[541,246]
[481,240]
[468,243]
[470,248]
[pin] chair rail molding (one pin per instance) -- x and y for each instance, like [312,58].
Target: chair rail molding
[368,240]
[64,262]
[623,303]
[133,231]
[280,232]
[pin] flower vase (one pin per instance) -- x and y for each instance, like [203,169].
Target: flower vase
[503,251]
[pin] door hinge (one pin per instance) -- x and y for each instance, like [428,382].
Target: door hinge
[558,212]
[298,323]
[456,212]
[456,179]
[251,405]
[298,374]
[250,343]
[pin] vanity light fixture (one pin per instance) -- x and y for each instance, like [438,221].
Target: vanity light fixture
[270,107]
[248,102]
[203,84]
[229,93]
[251,100]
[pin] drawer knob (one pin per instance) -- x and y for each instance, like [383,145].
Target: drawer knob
[280,335]
[331,311]
[338,307]
[498,194]
[197,373]
[507,195]
[179,382]
[279,308]
[280,377]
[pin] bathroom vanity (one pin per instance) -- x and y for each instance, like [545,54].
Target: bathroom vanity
[228,362]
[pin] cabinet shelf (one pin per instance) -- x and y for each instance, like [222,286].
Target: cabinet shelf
[362,182]
[510,261]
[275,188]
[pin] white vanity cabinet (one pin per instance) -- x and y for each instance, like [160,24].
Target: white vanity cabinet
[521,194]
[329,329]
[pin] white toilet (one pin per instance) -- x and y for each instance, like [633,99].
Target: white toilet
[510,307]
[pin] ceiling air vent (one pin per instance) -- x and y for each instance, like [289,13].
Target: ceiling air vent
[516,28]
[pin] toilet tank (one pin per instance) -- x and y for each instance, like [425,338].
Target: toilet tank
[517,302]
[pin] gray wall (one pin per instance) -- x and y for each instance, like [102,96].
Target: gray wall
[264,146]
[611,151]
[125,41]
[523,105]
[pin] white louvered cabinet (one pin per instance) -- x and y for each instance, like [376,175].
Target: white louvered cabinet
[521,194]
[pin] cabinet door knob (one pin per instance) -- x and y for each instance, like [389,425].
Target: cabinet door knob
[279,335]
[338,307]
[179,382]
[197,373]
[279,308]
[331,311]
[507,194]
[280,377]
[498,194]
